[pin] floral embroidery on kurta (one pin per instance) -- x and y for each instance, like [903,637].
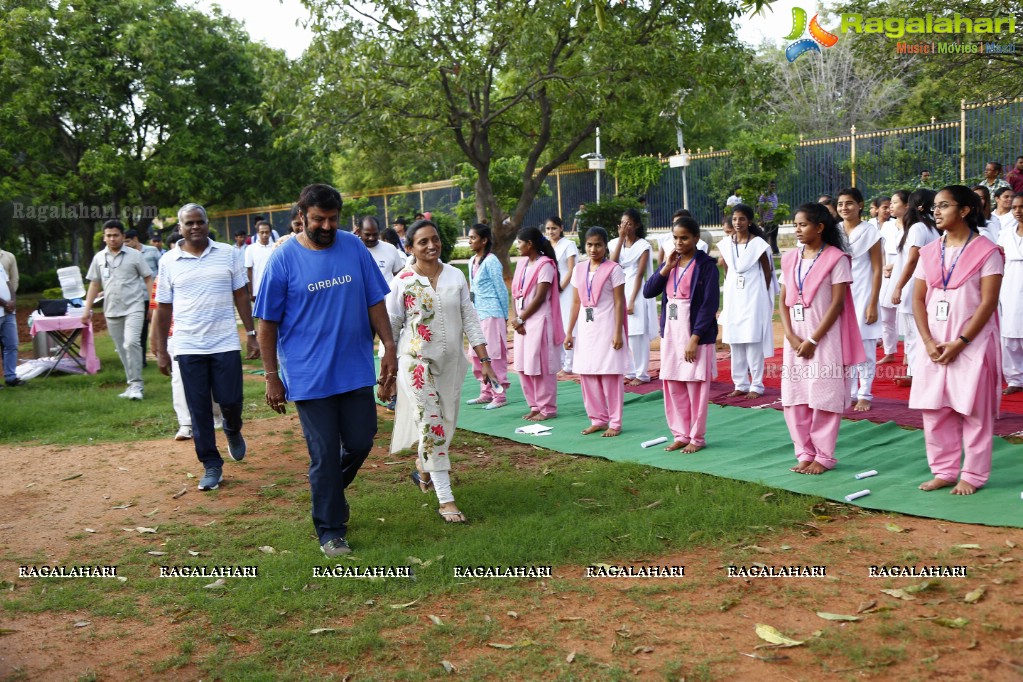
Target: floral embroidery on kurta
[419,309]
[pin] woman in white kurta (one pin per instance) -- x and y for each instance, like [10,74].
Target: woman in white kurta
[921,232]
[891,236]
[1010,302]
[749,295]
[635,255]
[864,241]
[430,312]
[567,254]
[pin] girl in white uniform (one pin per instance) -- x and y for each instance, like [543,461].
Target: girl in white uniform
[749,290]
[635,255]
[567,254]
[891,235]
[920,233]
[1010,302]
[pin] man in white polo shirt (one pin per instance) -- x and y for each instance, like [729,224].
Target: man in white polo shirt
[200,283]
[256,257]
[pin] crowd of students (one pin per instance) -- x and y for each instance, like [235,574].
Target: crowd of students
[927,266]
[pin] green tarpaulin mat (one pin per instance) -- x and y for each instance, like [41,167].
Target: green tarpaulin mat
[754,445]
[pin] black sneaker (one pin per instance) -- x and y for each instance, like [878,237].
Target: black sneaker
[236,446]
[335,548]
[15,382]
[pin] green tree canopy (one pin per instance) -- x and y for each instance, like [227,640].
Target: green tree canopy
[500,79]
[130,103]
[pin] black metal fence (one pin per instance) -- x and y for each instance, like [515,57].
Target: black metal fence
[875,162]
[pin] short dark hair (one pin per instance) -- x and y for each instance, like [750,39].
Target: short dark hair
[131,234]
[997,166]
[114,225]
[320,196]
[1002,190]
[241,233]
[400,221]
[263,221]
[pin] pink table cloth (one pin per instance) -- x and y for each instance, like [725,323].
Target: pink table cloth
[70,323]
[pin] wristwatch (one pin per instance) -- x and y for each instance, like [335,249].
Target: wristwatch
[251,332]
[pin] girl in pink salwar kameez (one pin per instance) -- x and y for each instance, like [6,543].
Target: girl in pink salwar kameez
[957,380]
[689,280]
[539,332]
[822,338]
[598,318]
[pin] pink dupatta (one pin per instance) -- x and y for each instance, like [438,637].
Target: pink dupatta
[519,291]
[971,259]
[852,342]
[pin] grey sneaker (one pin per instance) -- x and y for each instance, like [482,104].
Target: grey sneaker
[184,433]
[236,446]
[335,548]
[212,478]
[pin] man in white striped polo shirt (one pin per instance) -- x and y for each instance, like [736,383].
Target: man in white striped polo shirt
[200,283]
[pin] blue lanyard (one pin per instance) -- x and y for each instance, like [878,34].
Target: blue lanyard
[589,284]
[800,278]
[945,279]
[678,278]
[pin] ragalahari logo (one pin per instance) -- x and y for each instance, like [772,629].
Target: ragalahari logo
[818,36]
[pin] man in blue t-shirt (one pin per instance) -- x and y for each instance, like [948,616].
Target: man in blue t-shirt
[320,300]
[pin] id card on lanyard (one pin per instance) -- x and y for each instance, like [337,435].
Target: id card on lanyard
[942,310]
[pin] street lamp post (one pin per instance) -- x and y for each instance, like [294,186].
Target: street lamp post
[596,162]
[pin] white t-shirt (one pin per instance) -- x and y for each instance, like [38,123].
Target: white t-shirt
[389,259]
[5,291]
[256,256]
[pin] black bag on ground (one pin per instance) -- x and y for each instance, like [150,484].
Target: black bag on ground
[53,307]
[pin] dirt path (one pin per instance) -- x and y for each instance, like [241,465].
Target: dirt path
[697,627]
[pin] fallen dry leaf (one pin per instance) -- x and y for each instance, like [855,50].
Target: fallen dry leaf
[267,549]
[974,596]
[405,605]
[435,619]
[955,623]
[770,634]
[967,546]
[89,530]
[71,477]
[179,493]
[448,666]
[758,548]
[513,614]
[123,506]
[895,528]
[319,631]
[900,594]
[1010,544]
[769,659]
[82,623]
[836,616]
[498,645]
[155,553]
[215,585]
[570,657]
[642,650]
[193,553]
[144,529]
[152,512]
[866,606]
[920,587]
